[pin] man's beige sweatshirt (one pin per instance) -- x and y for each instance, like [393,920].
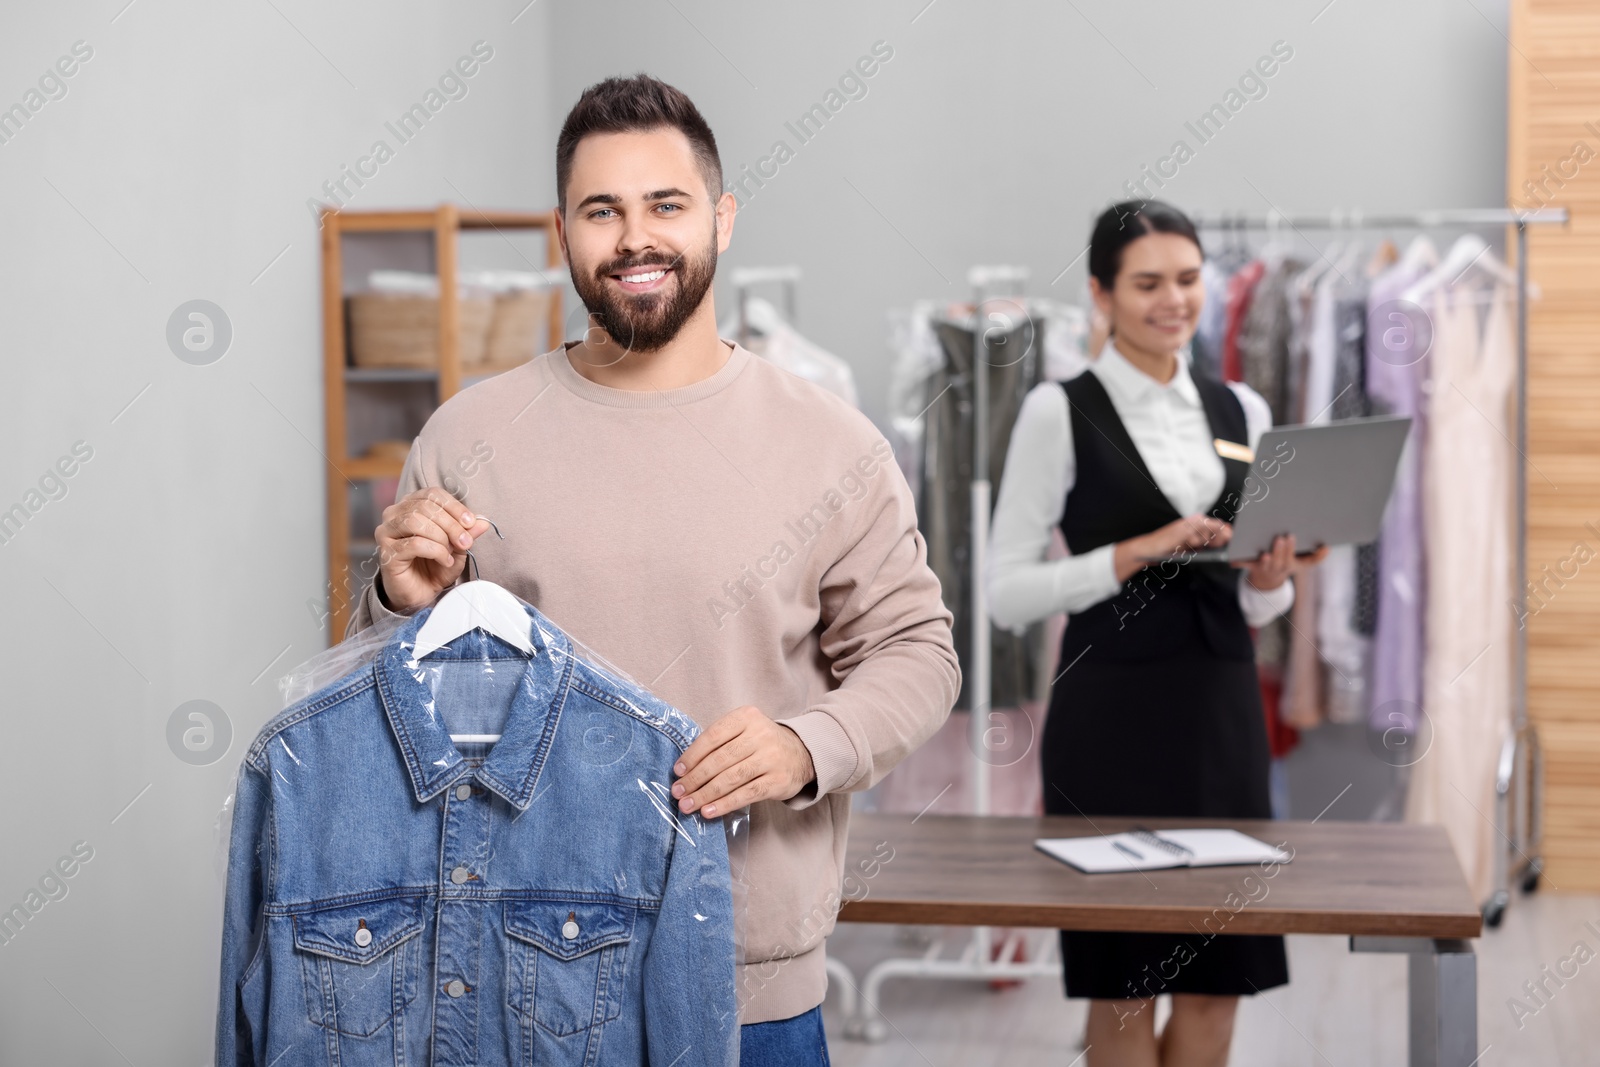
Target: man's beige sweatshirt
[746,539]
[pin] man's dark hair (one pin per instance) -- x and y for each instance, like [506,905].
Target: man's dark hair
[627,105]
[1122,224]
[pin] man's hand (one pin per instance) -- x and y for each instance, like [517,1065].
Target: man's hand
[741,758]
[422,546]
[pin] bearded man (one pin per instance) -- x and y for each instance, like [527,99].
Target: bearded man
[735,538]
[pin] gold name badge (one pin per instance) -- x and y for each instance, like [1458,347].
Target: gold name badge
[1234,450]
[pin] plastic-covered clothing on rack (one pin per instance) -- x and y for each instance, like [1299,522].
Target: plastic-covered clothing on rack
[1468,487]
[1397,368]
[944,513]
[775,340]
[919,356]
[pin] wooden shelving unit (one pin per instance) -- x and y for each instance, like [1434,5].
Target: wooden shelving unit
[363,397]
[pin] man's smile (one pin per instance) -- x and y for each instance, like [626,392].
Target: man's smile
[646,280]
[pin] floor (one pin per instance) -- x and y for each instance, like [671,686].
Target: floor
[1339,1008]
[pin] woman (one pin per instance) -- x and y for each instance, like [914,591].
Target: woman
[1157,711]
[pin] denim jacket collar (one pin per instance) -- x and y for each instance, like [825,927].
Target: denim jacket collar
[512,766]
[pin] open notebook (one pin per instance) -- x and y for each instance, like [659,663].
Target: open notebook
[1146,850]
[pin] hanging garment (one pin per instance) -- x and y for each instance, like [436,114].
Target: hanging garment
[1350,400]
[782,345]
[1206,347]
[1468,500]
[1066,336]
[1301,298]
[1299,365]
[1302,703]
[917,359]
[392,900]
[1271,638]
[1160,714]
[1291,691]
[1281,737]
[1397,368]
[1240,287]
[1262,341]
[1261,345]
[944,513]
[1347,581]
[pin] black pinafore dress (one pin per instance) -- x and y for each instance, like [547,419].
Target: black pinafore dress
[1158,711]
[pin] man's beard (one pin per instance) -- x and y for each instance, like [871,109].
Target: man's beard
[646,322]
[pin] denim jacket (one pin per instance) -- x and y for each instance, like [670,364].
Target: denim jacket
[394,900]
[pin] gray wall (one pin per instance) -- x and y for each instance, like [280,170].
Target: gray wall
[179,563]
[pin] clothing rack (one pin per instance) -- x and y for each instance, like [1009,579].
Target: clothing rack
[1519,776]
[982,959]
[743,278]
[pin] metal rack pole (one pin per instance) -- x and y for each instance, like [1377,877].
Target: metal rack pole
[1519,774]
[1519,697]
[982,280]
[1415,220]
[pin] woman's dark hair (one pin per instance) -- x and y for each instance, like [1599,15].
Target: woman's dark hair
[1122,224]
[627,105]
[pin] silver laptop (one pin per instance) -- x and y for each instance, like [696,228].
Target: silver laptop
[1327,484]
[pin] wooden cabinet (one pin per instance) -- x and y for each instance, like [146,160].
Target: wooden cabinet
[366,405]
[1553,148]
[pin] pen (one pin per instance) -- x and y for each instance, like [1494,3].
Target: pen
[1120,847]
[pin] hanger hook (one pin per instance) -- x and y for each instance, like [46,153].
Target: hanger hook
[472,561]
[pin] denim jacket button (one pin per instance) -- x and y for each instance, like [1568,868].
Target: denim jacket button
[363,937]
[569,930]
[463,792]
[455,987]
[459,875]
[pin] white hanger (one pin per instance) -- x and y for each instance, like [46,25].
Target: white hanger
[1470,252]
[1276,246]
[476,605]
[1419,253]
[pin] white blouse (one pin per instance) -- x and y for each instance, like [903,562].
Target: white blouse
[1168,426]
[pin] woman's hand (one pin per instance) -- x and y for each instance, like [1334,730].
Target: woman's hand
[1191,531]
[1274,566]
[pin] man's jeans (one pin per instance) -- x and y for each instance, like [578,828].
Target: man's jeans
[796,1042]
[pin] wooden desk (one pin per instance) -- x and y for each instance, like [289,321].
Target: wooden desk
[1388,887]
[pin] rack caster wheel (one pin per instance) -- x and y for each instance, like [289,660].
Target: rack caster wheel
[1495,910]
[870,1030]
[1530,880]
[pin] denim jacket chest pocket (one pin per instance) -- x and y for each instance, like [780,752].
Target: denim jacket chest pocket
[567,961]
[359,962]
